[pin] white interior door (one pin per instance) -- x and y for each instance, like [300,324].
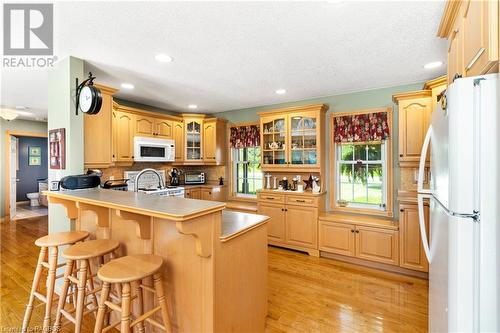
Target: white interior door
[13,177]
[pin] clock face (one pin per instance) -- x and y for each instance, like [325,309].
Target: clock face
[85,100]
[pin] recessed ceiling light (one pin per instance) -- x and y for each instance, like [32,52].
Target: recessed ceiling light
[192,106]
[162,57]
[434,64]
[280,91]
[127,86]
[8,114]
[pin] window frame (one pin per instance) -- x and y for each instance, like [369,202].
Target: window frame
[235,163]
[232,186]
[363,209]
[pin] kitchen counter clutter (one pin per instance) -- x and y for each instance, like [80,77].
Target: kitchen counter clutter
[211,256]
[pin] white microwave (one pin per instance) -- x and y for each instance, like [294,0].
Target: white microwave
[153,149]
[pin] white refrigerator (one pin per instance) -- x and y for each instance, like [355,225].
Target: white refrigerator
[463,245]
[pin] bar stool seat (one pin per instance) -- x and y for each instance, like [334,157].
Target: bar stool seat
[50,242]
[130,268]
[79,256]
[90,249]
[61,238]
[127,272]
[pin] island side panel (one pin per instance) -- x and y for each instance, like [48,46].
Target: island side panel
[187,276]
[241,282]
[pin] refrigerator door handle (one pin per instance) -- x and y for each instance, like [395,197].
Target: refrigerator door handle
[421,222]
[423,156]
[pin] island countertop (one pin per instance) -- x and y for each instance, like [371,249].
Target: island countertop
[173,208]
[236,223]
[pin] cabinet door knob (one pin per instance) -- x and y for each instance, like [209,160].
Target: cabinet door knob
[401,210]
[282,209]
[352,230]
[357,231]
[401,155]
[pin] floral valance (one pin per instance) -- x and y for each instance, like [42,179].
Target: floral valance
[361,127]
[245,136]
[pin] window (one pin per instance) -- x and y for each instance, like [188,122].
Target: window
[247,176]
[361,175]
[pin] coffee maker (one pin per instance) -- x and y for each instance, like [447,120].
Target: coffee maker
[174,177]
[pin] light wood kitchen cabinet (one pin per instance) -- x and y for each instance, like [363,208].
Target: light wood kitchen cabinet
[125,131]
[193,193]
[214,141]
[302,226]
[163,128]
[377,244]
[178,135]
[294,218]
[144,125]
[98,137]
[480,37]
[436,86]
[337,238]
[276,223]
[193,149]
[471,28]
[292,138]
[412,254]
[366,238]
[415,110]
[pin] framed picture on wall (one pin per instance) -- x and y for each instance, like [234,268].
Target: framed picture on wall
[35,151]
[35,160]
[57,148]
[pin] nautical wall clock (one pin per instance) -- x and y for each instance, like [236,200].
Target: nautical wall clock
[88,97]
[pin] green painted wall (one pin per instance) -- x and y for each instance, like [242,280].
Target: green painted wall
[340,103]
[14,125]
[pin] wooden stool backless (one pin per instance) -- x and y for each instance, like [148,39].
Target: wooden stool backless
[50,242]
[79,255]
[126,271]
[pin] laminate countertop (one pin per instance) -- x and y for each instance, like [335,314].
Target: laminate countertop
[235,224]
[173,208]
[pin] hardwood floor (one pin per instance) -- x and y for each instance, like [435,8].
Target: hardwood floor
[306,294]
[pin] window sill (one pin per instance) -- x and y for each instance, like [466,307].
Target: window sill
[242,199]
[364,211]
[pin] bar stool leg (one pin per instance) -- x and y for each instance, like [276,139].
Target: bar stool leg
[162,301]
[99,322]
[51,280]
[125,321]
[64,293]
[80,299]
[92,286]
[34,288]
[140,304]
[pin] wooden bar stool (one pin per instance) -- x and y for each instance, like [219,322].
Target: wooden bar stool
[50,242]
[126,271]
[79,255]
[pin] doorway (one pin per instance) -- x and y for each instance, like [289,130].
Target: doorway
[26,175]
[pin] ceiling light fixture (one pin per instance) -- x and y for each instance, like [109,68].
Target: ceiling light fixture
[280,91]
[162,57]
[8,114]
[192,106]
[434,64]
[127,86]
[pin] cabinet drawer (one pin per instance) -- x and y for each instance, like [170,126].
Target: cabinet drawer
[377,244]
[302,200]
[271,197]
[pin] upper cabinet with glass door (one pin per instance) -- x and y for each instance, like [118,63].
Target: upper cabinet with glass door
[193,139]
[292,138]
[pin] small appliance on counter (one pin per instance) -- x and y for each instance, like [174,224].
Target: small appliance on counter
[78,182]
[194,177]
[116,184]
[174,177]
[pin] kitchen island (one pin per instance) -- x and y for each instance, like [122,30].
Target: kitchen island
[215,261]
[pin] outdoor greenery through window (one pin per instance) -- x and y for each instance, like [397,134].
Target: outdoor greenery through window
[361,175]
[246,171]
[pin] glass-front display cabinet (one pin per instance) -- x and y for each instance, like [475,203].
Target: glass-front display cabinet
[292,138]
[193,140]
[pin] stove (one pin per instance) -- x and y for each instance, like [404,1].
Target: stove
[148,184]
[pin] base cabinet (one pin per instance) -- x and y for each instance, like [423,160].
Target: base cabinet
[380,244]
[412,252]
[193,193]
[293,219]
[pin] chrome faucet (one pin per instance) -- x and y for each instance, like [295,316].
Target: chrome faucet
[143,171]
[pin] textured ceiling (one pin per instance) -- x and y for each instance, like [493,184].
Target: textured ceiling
[231,55]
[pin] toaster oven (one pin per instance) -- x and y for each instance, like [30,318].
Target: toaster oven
[194,177]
